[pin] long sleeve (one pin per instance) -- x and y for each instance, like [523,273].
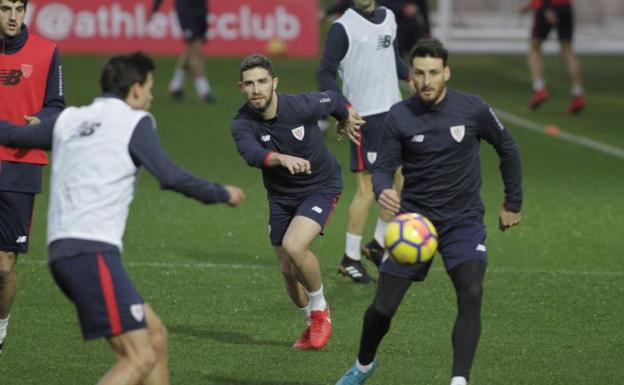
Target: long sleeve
[146,150]
[389,157]
[403,71]
[493,131]
[54,101]
[30,136]
[247,145]
[325,103]
[336,46]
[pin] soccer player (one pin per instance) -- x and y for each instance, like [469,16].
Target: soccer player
[435,136]
[412,22]
[361,46]
[549,14]
[31,88]
[97,151]
[192,15]
[279,134]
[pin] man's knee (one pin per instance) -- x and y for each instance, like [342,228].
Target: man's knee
[294,248]
[469,297]
[143,360]
[7,267]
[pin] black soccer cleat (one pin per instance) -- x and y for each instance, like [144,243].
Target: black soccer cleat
[209,98]
[374,252]
[176,94]
[354,270]
[1,345]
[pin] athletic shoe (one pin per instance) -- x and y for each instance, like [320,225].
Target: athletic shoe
[374,252]
[1,344]
[209,98]
[354,270]
[538,98]
[355,376]
[176,94]
[304,341]
[320,328]
[576,105]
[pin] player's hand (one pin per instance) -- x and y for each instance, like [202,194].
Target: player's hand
[507,219]
[350,127]
[295,165]
[237,196]
[31,119]
[389,200]
[551,16]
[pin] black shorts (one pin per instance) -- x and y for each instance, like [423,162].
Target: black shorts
[107,303]
[318,206]
[565,26]
[364,155]
[16,212]
[458,241]
[192,15]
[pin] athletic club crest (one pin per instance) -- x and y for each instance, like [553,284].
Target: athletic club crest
[137,312]
[457,132]
[371,156]
[27,70]
[298,132]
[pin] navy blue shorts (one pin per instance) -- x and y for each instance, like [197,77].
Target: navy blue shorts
[192,16]
[458,242]
[16,212]
[364,155]
[317,206]
[107,303]
[565,25]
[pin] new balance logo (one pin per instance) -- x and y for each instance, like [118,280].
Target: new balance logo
[418,138]
[265,138]
[21,239]
[10,77]
[325,100]
[481,247]
[317,209]
[384,41]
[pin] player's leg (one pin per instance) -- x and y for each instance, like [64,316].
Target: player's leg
[539,32]
[377,319]
[135,358]
[8,283]
[566,30]
[196,65]
[468,282]
[157,332]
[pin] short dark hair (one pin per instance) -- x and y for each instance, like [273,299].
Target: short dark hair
[25,2]
[121,72]
[256,60]
[430,48]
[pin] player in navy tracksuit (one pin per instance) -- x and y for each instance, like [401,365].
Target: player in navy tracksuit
[435,136]
[192,16]
[279,134]
[361,46]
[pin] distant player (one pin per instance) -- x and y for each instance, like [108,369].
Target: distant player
[31,88]
[278,133]
[192,15]
[549,14]
[412,18]
[97,151]
[361,47]
[435,136]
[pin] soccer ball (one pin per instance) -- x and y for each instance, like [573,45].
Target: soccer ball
[411,238]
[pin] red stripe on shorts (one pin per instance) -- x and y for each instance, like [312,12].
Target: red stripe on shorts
[109,296]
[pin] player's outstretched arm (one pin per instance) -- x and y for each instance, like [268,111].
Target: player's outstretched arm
[508,218]
[34,135]
[237,196]
[294,164]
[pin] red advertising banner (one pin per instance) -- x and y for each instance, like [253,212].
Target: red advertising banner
[236,27]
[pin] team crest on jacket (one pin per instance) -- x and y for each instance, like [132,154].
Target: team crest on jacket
[298,132]
[371,156]
[457,132]
[27,70]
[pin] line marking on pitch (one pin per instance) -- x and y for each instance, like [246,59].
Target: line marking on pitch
[556,132]
[209,265]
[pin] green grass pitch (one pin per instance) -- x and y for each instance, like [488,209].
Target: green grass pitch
[553,309]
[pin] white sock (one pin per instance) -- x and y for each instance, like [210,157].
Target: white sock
[353,245]
[4,323]
[201,86]
[459,381]
[177,81]
[539,84]
[577,91]
[363,368]
[317,300]
[380,231]
[306,313]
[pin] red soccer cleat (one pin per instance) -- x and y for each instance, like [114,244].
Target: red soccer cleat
[304,341]
[539,97]
[576,105]
[320,328]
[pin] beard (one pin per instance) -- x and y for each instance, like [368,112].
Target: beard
[264,107]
